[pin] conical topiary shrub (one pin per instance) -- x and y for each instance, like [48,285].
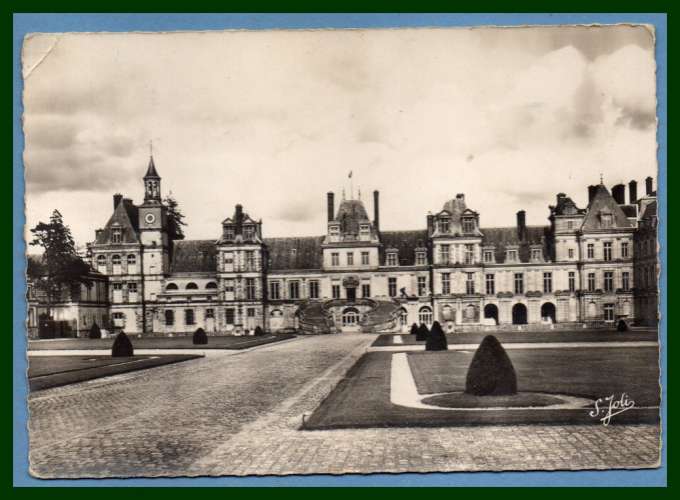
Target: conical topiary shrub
[491,372]
[436,340]
[259,331]
[95,331]
[200,337]
[414,329]
[622,326]
[423,332]
[122,347]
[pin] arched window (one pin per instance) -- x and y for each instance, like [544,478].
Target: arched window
[192,286]
[131,259]
[519,314]
[101,260]
[403,317]
[276,313]
[115,260]
[171,286]
[350,317]
[211,285]
[425,315]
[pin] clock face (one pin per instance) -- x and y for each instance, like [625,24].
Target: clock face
[150,218]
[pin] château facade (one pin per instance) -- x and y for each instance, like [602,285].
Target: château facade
[580,269]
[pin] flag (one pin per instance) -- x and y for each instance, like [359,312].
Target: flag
[350,174]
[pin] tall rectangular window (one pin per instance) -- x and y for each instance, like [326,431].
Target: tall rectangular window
[274,290]
[444,226]
[250,260]
[624,249]
[294,290]
[169,317]
[607,250]
[229,316]
[625,281]
[392,287]
[420,259]
[571,253]
[572,281]
[189,317]
[250,288]
[609,312]
[364,258]
[469,253]
[590,251]
[350,258]
[422,285]
[446,283]
[591,282]
[470,283]
[366,290]
[468,225]
[313,289]
[444,254]
[209,313]
[547,282]
[490,284]
[335,289]
[608,281]
[335,259]
[519,283]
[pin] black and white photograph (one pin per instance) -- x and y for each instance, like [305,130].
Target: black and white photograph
[341,251]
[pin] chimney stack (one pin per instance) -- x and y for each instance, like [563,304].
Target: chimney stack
[632,191]
[430,224]
[117,198]
[591,193]
[331,205]
[649,186]
[238,219]
[376,210]
[619,194]
[521,225]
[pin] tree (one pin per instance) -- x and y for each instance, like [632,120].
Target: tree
[175,218]
[436,340]
[95,331]
[491,372]
[122,347]
[60,265]
[423,332]
[200,337]
[414,329]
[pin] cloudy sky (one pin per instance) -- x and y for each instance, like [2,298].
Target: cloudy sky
[274,120]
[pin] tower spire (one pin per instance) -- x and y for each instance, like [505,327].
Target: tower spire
[152,181]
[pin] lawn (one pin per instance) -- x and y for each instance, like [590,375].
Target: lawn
[588,335]
[45,372]
[362,398]
[222,342]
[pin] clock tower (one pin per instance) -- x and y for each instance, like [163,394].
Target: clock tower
[153,222]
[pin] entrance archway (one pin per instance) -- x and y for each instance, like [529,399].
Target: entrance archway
[548,311]
[491,311]
[350,319]
[519,314]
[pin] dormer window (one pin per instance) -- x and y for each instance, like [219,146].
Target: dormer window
[229,232]
[116,235]
[511,255]
[488,255]
[334,230]
[536,253]
[421,259]
[606,220]
[444,226]
[248,232]
[468,225]
[392,258]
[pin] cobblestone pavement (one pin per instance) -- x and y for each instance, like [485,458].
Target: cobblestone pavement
[240,415]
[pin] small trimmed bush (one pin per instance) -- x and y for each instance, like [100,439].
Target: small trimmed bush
[423,332]
[200,337]
[259,331]
[95,331]
[436,340]
[491,372]
[414,329]
[622,326]
[122,347]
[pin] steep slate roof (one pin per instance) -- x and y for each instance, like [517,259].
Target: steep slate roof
[629,210]
[566,206]
[125,216]
[603,202]
[405,242]
[295,253]
[194,256]
[350,214]
[650,211]
[151,171]
[501,237]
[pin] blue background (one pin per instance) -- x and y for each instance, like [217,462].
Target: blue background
[27,23]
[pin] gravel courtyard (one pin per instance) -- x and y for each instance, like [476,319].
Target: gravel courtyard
[239,414]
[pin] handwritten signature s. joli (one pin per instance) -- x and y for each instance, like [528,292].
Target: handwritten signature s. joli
[610,406]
